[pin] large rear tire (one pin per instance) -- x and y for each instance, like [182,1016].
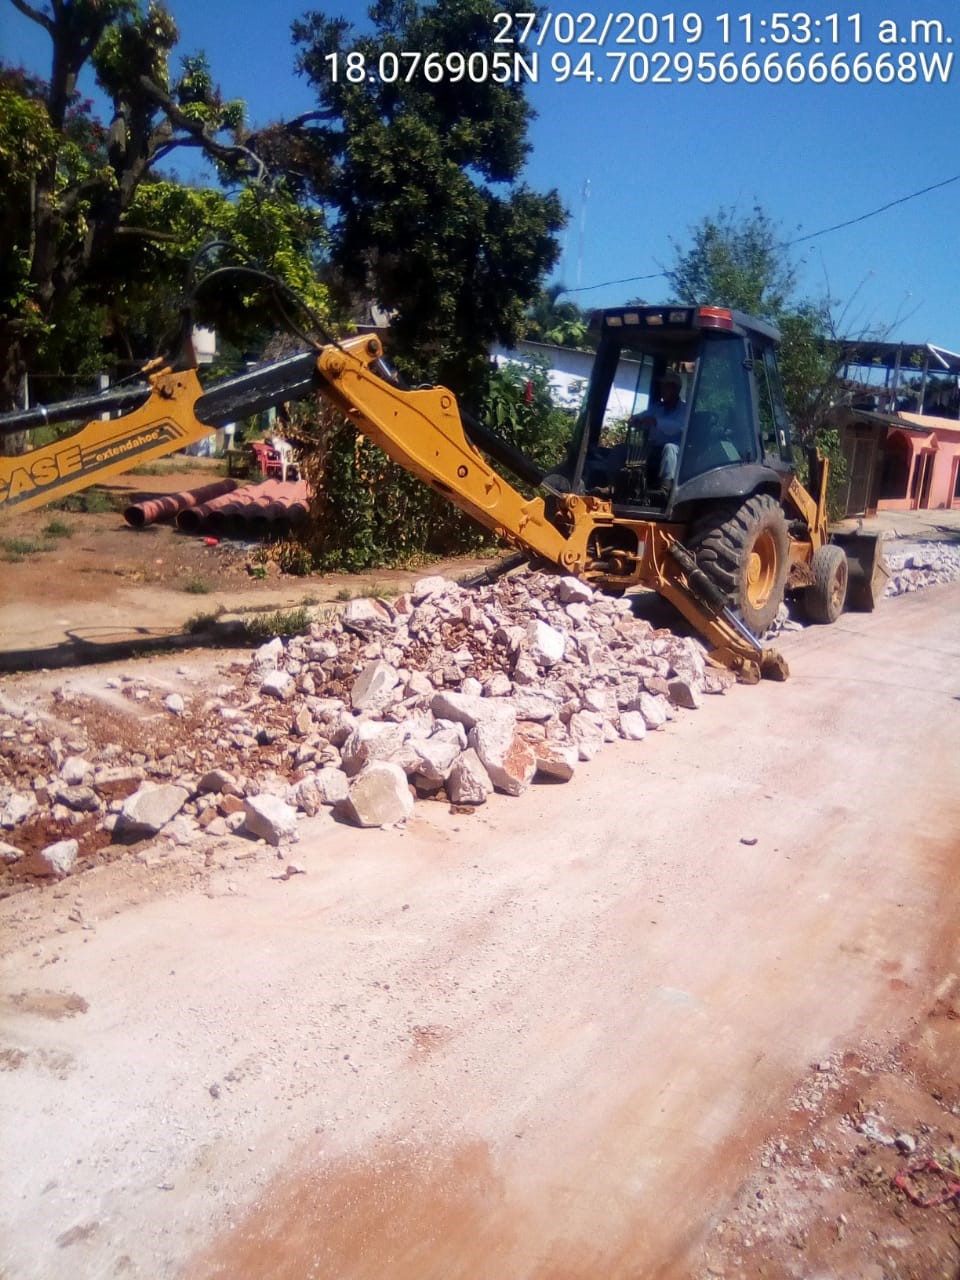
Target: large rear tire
[745,551]
[824,600]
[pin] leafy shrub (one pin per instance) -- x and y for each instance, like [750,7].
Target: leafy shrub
[368,512]
[17,549]
[293,557]
[264,626]
[57,529]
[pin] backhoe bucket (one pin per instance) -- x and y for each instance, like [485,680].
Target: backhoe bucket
[867,570]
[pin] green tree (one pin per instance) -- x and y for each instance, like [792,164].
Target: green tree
[429,215]
[519,407]
[743,262]
[735,261]
[86,217]
[560,323]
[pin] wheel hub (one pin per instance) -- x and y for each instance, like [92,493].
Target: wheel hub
[761,572]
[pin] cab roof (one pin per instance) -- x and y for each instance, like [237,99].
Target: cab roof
[678,320]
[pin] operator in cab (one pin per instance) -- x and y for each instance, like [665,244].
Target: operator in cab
[664,422]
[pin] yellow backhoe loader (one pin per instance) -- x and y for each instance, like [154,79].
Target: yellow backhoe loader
[722,532]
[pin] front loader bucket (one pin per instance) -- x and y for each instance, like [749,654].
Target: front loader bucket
[867,570]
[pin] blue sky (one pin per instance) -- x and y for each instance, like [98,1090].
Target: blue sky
[660,156]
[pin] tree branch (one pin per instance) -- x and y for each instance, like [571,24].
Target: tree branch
[147,233]
[34,15]
[194,128]
[299,121]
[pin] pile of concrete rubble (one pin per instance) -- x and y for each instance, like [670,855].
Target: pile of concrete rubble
[444,692]
[920,565]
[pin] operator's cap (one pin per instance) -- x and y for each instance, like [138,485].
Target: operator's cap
[671,375]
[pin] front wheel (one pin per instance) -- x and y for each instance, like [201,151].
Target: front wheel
[746,552]
[824,600]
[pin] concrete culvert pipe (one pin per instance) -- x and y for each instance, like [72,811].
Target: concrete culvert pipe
[140,514]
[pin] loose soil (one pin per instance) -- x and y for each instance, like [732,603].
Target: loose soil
[106,583]
[689,1015]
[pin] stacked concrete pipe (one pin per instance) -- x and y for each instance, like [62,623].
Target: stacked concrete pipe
[255,510]
[139,514]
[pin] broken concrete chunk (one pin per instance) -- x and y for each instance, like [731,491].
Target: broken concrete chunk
[322,650]
[302,722]
[418,685]
[470,710]
[717,680]
[597,699]
[81,799]
[685,693]
[370,740]
[653,709]
[556,760]
[16,807]
[216,780]
[573,591]
[450,731]
[379,796]
[434,585]
[75,770]
[632,725]
[468,781]
[497,685]
[278,684]
[374,686]
[509,761]
[269,818]
[525,670]
[367,617]
[9,853]
[268,656]
[116,782]
[434,757]
[530,705]
[55,859]
[578,613]
[332,784]
[586,730]
[545,644]
[147,810]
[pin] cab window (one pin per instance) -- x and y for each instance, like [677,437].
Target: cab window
[719,433]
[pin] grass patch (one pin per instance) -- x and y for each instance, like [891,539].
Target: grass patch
[17,549]
[345,593]
[91,502]
[57,528]
[264,626]
[204,621]
[196,586]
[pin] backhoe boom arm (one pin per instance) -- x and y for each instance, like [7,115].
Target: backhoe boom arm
[423,432]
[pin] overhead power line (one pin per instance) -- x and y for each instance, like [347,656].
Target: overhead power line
[786,244]
[851,222]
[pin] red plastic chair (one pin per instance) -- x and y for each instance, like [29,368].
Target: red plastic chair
[267,460]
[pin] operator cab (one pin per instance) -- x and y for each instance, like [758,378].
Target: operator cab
[728,435]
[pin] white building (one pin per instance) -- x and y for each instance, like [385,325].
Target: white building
[569,374]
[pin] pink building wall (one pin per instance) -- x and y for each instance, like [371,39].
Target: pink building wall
[934,463]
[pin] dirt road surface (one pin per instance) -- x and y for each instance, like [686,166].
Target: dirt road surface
[565,1038]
